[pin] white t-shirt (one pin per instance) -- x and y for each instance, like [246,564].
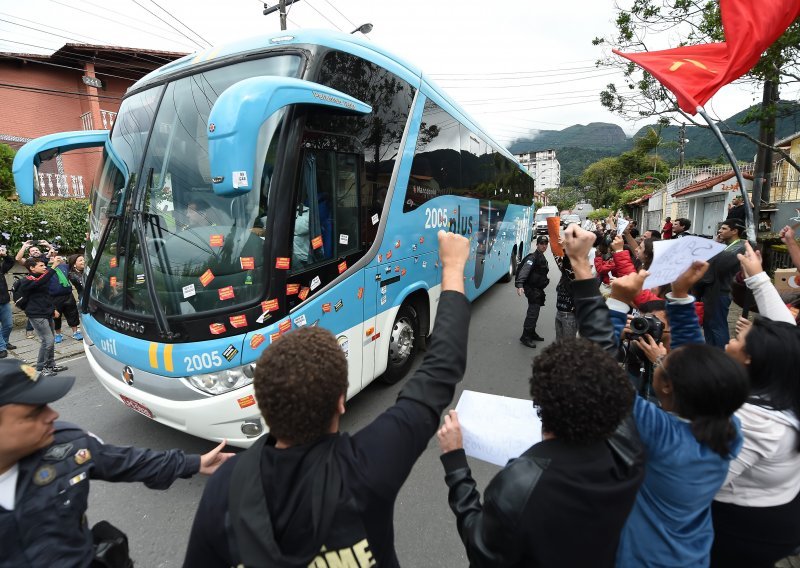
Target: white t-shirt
[8,488]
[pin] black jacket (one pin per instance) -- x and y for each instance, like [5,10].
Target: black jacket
[372,465]
[557,504]
[532,273]
[48,524]
[40,302]
[6,265]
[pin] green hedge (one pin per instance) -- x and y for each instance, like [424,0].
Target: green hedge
[62,222]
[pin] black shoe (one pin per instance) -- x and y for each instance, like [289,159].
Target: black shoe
[536,337]
[47,372]
[9,346]
[527,342]
[3,354]
[57,368]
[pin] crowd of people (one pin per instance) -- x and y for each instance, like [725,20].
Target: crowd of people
[697,465]
[46,294]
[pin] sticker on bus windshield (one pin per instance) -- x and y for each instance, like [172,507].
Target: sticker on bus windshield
[140,278]
[246,401]
[274,336]
[292,289]
[189,291]
[326,307]
[226,293]
[344,239]
[338,305]
[247,262]
[344,343]
[113,281]
[315,282]
[388,254]
[342,266]
[316,242]
[206,277]
[239,179]
[217,328]
[216,240]
[238,321]
[282,263]
[383,300]
[360,293]
[300,321]
[303,293]
[285,325]
[113,262]
[269,305]
[375,219]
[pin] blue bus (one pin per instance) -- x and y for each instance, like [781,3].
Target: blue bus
[289,180]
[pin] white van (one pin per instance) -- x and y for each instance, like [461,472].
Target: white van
[540,218]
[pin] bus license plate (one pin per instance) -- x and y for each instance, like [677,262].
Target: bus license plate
[137,406]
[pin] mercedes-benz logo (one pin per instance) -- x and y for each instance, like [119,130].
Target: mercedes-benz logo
[127,375]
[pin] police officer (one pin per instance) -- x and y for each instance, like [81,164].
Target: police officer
[45,468]
[532,281]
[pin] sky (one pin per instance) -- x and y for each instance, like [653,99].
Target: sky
[517,66]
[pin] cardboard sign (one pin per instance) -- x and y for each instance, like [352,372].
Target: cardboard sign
[672,258]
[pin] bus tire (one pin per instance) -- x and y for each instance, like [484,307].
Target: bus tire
[512,269]
[403,344]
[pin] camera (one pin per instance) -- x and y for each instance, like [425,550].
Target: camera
[647,324]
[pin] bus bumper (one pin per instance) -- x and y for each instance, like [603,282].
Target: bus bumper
[226,416]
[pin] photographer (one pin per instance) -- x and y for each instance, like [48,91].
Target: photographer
[6,321]
[690,436]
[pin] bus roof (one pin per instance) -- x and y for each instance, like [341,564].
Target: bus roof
[349,43]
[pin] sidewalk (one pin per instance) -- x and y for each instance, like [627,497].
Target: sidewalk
[28,349]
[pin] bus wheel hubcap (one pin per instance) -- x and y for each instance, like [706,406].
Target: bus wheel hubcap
[402,343]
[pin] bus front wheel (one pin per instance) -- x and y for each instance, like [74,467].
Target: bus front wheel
[403,344]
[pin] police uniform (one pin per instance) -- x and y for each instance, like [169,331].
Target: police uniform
[532,278]
[45,524]
[48,526]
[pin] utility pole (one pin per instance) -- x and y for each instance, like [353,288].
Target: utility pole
[681,145]
[763,165]
[281,7]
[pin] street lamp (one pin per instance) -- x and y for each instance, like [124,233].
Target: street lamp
[363,28]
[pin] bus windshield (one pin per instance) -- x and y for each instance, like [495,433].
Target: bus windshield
[205,251]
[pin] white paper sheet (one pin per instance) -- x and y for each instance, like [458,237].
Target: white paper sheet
[672,258]
[497,428]
[622,224]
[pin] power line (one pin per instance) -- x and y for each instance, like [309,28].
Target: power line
[181,23]
[59,92]
[172,39]
[530,84]
[23,58]
[323,15]
[541,99]
[340,13]
[513,74]
[170,25]
[517,99]
[495,80]
[533,108]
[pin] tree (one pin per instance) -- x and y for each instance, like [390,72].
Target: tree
[564,197]
[606,179]
[7,186]
[694,22]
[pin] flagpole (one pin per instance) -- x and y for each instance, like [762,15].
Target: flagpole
[748,211]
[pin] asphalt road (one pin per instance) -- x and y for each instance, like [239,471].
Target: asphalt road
[158,522]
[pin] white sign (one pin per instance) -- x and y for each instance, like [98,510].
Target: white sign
[375,219]
[497,428]
[622,224]
[672,258]
[344,239]
[188,291]
[315,282]
[300,320]
[239,179]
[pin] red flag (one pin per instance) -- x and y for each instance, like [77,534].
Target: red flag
[695,72]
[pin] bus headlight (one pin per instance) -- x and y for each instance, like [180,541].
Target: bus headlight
[223,381]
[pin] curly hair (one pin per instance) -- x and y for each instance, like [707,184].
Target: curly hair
[298,381]
[580,392]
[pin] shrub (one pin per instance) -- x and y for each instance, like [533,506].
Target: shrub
[62,222]
[599,214]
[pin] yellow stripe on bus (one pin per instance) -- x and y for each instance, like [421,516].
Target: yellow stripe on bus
[154,355]
[168,357]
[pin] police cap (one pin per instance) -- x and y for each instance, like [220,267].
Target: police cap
[22,384]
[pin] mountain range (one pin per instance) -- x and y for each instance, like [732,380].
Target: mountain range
[580,145]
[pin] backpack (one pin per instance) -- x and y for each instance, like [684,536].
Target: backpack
[20,292]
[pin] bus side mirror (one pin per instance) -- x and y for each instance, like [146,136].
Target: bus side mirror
[31,155]
[239,113]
